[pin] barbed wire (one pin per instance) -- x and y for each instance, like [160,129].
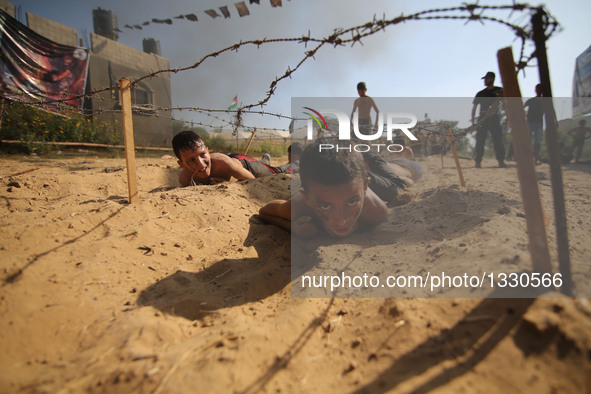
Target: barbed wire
[431,135]
[469,12]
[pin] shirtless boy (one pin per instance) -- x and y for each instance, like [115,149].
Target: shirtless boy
[201,167]
[364,103]
[336,194]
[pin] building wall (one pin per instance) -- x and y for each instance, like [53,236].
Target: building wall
[52,30]
[109,62]
[7,7]
[125,55]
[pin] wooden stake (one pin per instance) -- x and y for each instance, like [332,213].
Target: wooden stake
[456,158]
[534,217]
[1,110]
[19,173]
[128,136]
[250,141]
[539,37]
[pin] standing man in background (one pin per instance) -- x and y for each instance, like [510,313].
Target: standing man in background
[489,101]
[535,121]
[364,103]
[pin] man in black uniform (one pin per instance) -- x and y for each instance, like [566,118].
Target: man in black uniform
[535,121]
[489,119]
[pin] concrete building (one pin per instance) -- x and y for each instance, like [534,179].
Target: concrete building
[109,62]
[52,30]
[7,7]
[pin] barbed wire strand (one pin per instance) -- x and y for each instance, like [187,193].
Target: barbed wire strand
[469,12]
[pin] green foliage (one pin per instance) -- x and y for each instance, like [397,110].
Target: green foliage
[275,150]
[216,143]
[31,125]
[178,126]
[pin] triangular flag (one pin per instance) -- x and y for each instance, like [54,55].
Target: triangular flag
[234,103]
[242,9]
[225,12]
[212,13]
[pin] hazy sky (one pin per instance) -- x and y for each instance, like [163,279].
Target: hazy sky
[414,59]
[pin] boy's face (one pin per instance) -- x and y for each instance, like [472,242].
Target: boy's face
[196,160]
[338,206]
[361,92]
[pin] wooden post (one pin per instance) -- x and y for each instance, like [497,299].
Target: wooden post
[128,136]
[250,141]
[456,158]
[534,217]
[1,109]
[553,153]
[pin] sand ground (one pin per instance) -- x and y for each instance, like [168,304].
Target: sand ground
[188,291]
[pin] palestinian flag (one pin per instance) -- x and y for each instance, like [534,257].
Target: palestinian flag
[234,103]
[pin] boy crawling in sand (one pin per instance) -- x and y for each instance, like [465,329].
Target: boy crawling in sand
[338,193]
[201,167]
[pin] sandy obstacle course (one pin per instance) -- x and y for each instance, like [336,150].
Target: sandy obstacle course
[188,291]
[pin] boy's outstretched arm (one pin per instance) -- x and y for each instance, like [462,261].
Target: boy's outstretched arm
[277,212]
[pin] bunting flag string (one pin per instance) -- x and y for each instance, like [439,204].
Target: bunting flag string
[225,12]
[342,37]
[212,13]
[240,6]
[242,9]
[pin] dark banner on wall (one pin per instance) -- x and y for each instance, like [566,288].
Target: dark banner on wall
[33,68]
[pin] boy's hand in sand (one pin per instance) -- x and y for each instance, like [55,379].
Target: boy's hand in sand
[304,228]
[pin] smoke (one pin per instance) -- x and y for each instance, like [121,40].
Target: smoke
[418,58]
[249,72]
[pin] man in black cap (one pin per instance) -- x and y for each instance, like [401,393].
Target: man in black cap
[489,119]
